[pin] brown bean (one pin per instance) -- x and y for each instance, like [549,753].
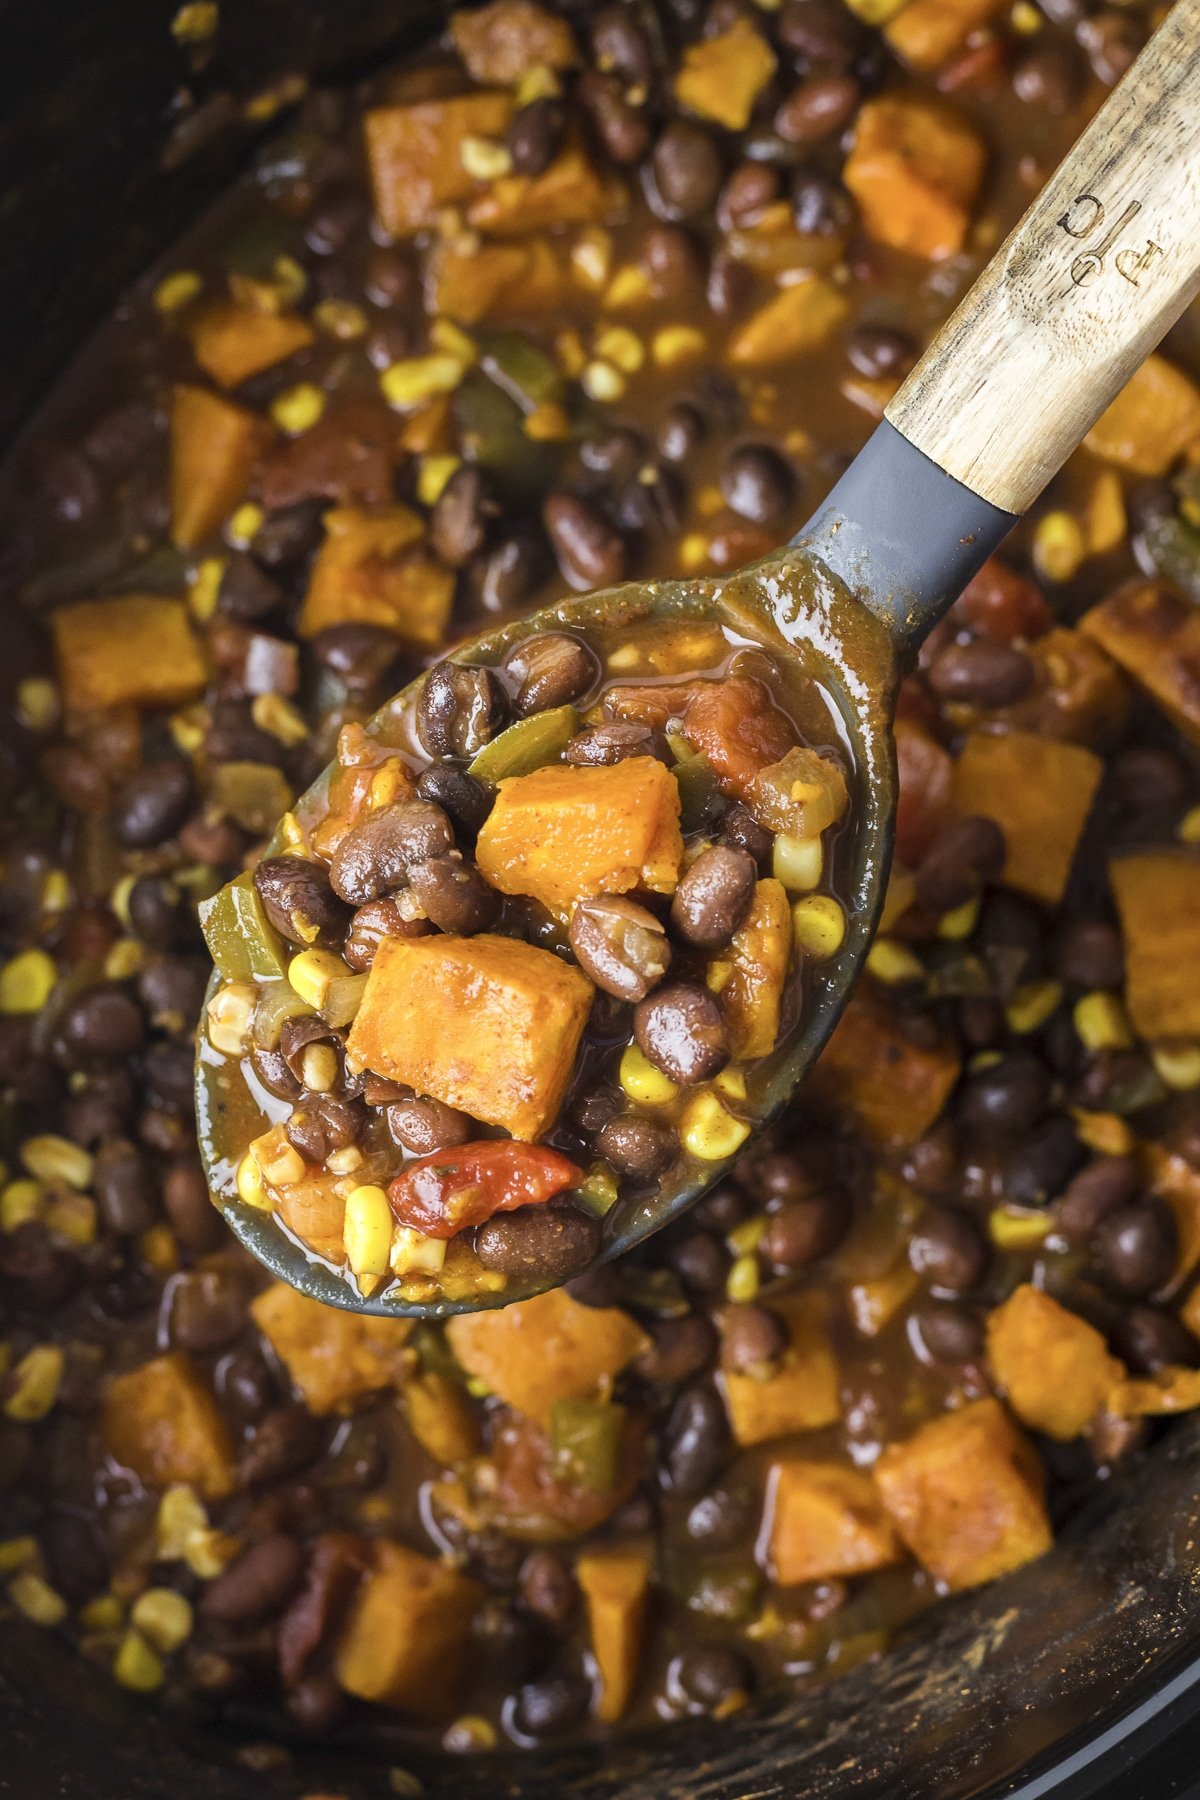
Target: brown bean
[1049,77]
[700,1260]
[547,1587]
[820,107]
[982,673]
[377,855]
[948,1248]
[535,135]
[299,901]
[207,1309]
[590,551]
[465,800]
[948,1334]
[752,187]
[257,1583]
[465,508]
[687,170]
[681,1030]
[803,1230]
[189,1208]
[424,1125]
[458,711]
[619,945]
[820,34]
[539,1242]
[613,741]
[672,262]
[123,1189]
[247,592]
[454,894]
[1104,1186]
[752,1338]
[622,128]
[679,1349]
[713,897]
[551,668]
[1089,954]
[286,1441]
[371,923]
[695,1441]
[637,1146]
[334,1566]
[152,804]
[1137,1245]
[360,656]
[965,853]
[758,484]
[876,350]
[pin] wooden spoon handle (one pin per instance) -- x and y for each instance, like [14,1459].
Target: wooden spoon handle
[1095,274]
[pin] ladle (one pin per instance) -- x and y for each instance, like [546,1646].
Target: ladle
[1098,270]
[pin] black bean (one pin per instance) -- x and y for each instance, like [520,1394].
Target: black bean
[458,711]
[256,1583]
[551,668]
[512,570]
[820,34]
[246,1386]
[462,515]
[1106,1185]
[803,1230]
[466,801]
[156,912]
[637,1146]
[1049,77]
[288,534]
[122,1185]
[619,44]
[171,990]
[1146,778]
[613,741]
[1004,1099]
[286,1441]
[681,1030]
[321,1123]
[370,924]
[712,1674]
[152,804]
[982,673]
[1089,954]
[721,1519]
[232,736]
[617,453]
[76,1558]
[424,1125]
[547,1587]
[1041,1165]
[713,897]
[1150,1339]
[752,187]
[622,128]
[964,854]
[681,430]
[876,350]
[673,263]
[37,1273]
[752,1338]
[535,135]
[729,285]
[1137,1245]
[316,1703]
[948,1248]
[759,484]
[208,1309]
[590,551]
[377,855]
[103,1024]
[361,656]
[297,1033]
[695,1441]
[541,1242]
[548,1707]
[271,1068]
[687,170]
[188,1205]
[700,1260]
[678,1349]
[454,894]
[392,280]
[247,592]
[619,945]
[948,1334]
[817,109]
[820,207]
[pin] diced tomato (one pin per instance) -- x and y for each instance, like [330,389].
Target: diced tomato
[924,798]
[1003,605]
[739,729]
[456,1188]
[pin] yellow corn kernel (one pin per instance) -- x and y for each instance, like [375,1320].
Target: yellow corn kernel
[34,1383]
[675,344]
[693,552]
[602,381]
[452,340]
[72,1216]
[1058,546]
[37,703]
[405,384]
[298,408]
[196,22]
[731,1083]
[281,1164]
[747,1236]
[433,472]
[621,347]
[27,982]
[469,1733]
[797,862]
[367,1230]
[206,1553]
[591,256]
[642,1082]
[251,1187]
[1178,1065]
[893,963]
[322,979]
[1026,18]
[229,1015]
[319,1065]
[204,587]
[163,1617]
[819,925]
[344,1161]
[56,891]
[188,729]
[20,1202]
[125,958]
[340,319]
[174,291]
[958,924]
[1108,1134]
[548,423]
[484,159]
[278,717]
[34,1597]
[105,1613]
[1102,1023]
[743,1279]
[180,1515]
[118,900]
[158,1248]
[630,286]
[1013,1228]
[707,1131]
[244,524]
[1032,1005]
[539,82]
[138,1665]
[16,1553]
[568,347]
[412,1251]
[1189,826]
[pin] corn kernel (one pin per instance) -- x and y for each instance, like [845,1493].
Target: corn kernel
[405,384]
[56,891]
[34,1597]
[591,256]
[797,862]
[229,1015]
[327,983]
[124,959]
[1178,1065]
[344,1161]
[630,286]
[320,1067]
[34,1383]
[298,408]
[539,82]
[433,472]
[747,1236]
[893,963]
[452,340]
[174,291]
[340,319]
[290,280]
[1032,1005]
[72,1216]
[743,1279]
[548,423]
[27,982]
[1026,18]
[251,1187]
[484,159]
[469,1733]
[204,587]
[1013,1228]
[16,1552]
[642,1082]
[188,729]
[1101,1022]
[105,1613]
[601,381]
[163,1617]
[1108,1134]
[244,524]
[958,924]
[675,344]
[181,1513]
[1189,826]
[1058,546]
[708,1132]
[693,552]
[138,1665]
[206,1553]
[477,1387]
[195,22]
[731,1083]
[279,718]
[622,347]
[568,347]
[37,703]
[282,1165]
[367,1230]
[20,1202]
[412,1251]
[819,925]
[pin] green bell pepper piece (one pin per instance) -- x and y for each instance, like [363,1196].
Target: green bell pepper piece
[585,1442]
[241,939]
[528,745]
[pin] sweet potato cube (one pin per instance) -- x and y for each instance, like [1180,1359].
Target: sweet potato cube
[440,1418]
[827,1521]
[1053,1366]
[1152,421]
[469,284]
[415,155]
[371,570]
[1039,791]
[1155,636]
[132,650]
[501,42]
[334,1359]
[1158,901]
[615,1584]
[564,833]
[488,1024]
[797,319]
[1172,1389]
[1178,1183]
[407,1636]
[750,975]
[721,77]
[572,191]
[546,1349]
[915,170]
[231,342]
[893,1088]
[802,1392]
[926,33]
[214,448]
[161,1421]
[876,1301]
[966,1495]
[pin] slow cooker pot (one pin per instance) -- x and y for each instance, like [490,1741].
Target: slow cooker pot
[1077,1677]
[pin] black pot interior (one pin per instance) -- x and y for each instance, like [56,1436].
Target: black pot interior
[109,144]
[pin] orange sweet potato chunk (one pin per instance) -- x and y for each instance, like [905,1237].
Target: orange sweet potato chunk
[926,33]
[1155,636]
[214,448]
[488,1024]
[334,1359]
[915,170]
[827,1521]
[415,155]
[751,974]
[894,1089]
[372,570]
[161,1421]
[232,342]
[797,319]
[1054,1368]
[564,833]
[407,1636]
[473,284]
[721,77]
[545,1349]
[501,42]
[1178,1183]
[615,1584]
[966,1495]
[1040,792]
[1158,901]
[801,1394]
[132,650]
[572,191]
[1152,421]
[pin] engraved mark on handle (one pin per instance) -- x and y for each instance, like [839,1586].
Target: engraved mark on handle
[1085,217]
